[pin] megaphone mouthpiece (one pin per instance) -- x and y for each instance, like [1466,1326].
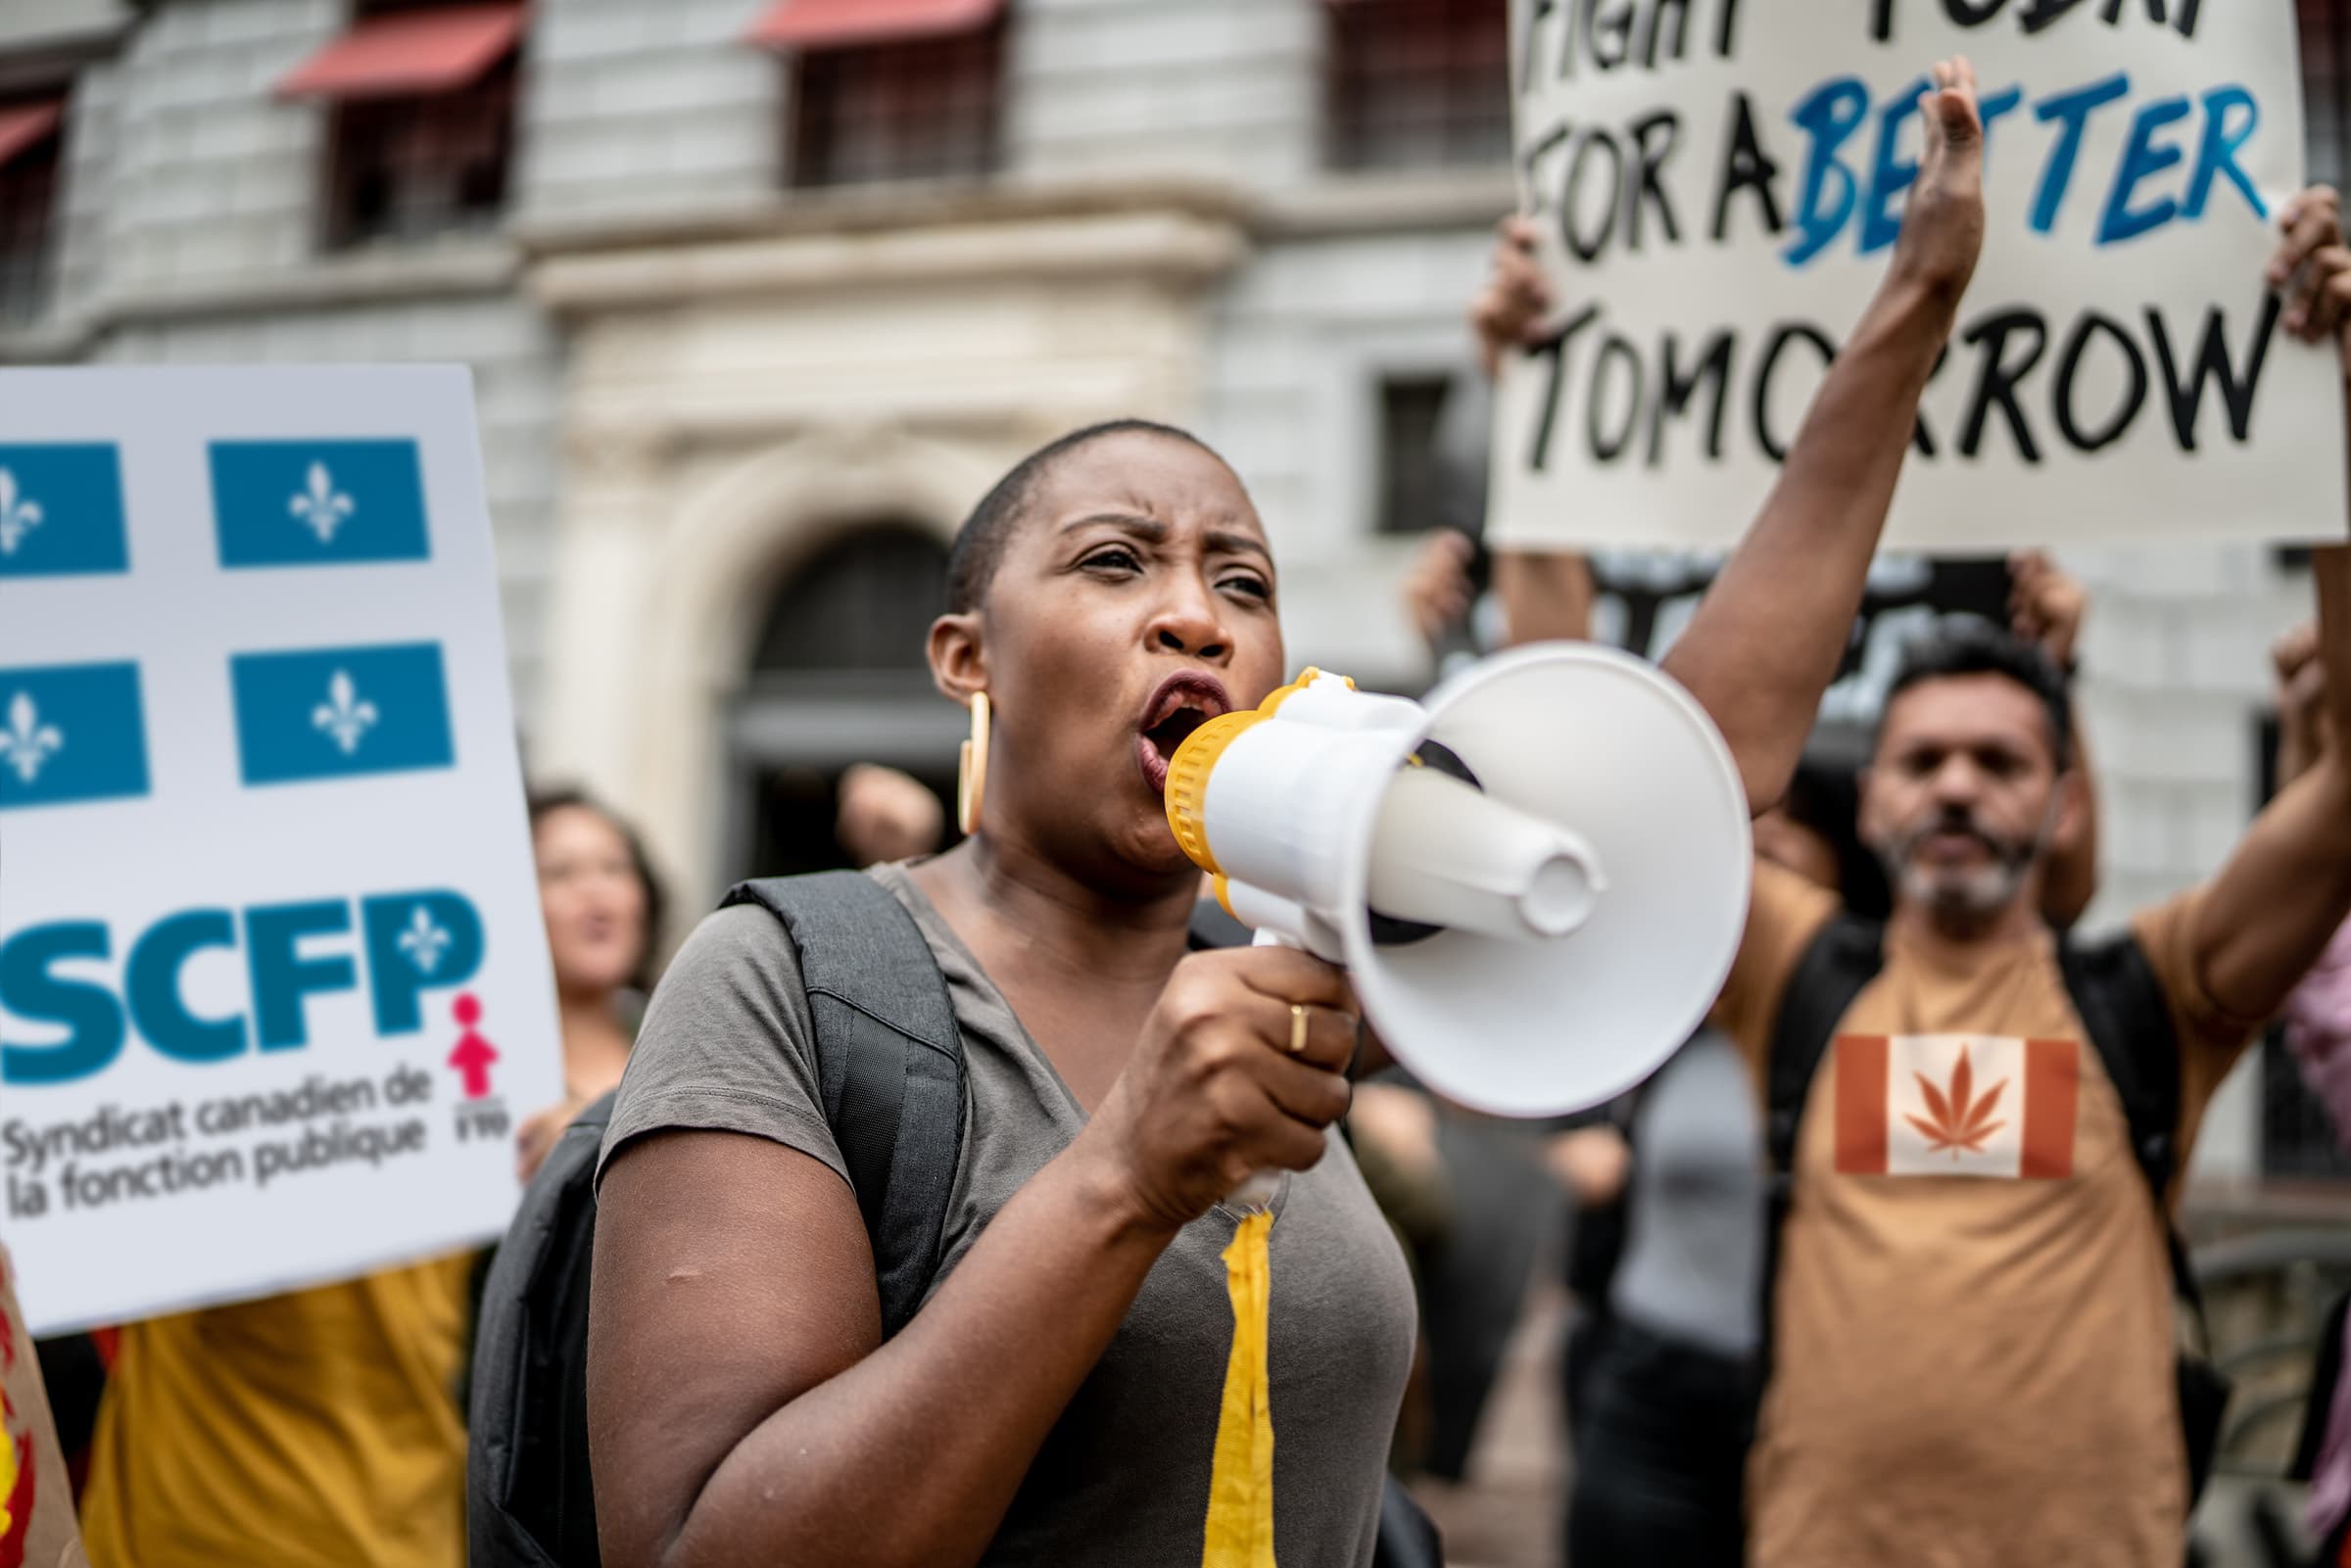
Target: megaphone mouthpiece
[1447,854]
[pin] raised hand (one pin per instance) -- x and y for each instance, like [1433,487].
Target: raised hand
[2303,731]
[2313,267]
[1512,305]
[2045,605]
[1438,591]
[1942,228]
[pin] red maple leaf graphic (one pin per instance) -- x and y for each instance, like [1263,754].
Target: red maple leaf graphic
[1960,1122]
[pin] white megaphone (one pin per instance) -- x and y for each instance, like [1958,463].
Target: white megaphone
[1537,880]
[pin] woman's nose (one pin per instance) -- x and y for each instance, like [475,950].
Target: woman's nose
[1190,625]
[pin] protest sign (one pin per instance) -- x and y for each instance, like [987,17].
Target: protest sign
[273,983]
[1721,184]
[36,1502]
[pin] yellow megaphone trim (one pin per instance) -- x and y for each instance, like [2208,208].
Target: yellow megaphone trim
[1197,759]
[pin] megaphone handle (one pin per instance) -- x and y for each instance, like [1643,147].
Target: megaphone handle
[1260,1190]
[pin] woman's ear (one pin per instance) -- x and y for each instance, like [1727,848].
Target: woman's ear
[958,664]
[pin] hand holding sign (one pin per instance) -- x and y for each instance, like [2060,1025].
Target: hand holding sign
[1509,310]
[2313,266]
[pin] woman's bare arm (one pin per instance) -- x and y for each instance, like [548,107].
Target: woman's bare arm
[742,1407]
[742,1404]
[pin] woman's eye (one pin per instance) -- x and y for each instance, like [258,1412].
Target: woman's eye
[1255,586]
[1115,559]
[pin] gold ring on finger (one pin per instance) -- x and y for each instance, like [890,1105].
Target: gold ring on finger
[1297,1028]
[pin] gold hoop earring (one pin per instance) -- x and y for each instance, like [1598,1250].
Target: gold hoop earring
[970,771]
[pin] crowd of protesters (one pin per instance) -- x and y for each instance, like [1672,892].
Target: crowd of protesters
[1814,1332]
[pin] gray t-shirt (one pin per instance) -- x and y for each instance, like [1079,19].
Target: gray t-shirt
[1124,1476]
[1694,1250]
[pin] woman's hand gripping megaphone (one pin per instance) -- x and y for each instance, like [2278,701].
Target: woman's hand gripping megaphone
[1240,1068]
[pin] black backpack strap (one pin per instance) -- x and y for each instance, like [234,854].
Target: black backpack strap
[530,1499]
[1842,961]
[889,1063]
[2128,1019]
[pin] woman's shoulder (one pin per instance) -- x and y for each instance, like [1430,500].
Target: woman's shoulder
[727,1043]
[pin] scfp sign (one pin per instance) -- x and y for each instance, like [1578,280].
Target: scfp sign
[64,973]
[270,900]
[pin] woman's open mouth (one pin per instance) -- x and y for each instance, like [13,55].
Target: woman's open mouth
[1184,702]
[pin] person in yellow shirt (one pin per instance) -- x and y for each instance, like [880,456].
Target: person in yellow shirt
[324,1429]
[316,1430]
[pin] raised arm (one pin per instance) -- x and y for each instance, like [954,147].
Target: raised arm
[2270,913]
[1768,636]
[2045,606]
[1546,594]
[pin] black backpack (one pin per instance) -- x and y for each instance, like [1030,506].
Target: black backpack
[890,1065]
[891,1068]
[2124,1013]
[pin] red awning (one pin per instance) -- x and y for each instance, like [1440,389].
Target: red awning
[842,24]
[411,52]
[23,128]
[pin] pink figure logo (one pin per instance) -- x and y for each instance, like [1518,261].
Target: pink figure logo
[473,1054]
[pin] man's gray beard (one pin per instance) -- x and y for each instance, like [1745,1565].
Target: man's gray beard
[1976,896]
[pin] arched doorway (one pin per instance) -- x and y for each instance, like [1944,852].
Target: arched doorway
[838,677]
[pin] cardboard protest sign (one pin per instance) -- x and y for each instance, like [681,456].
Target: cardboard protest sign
[1721,184]
[36,1503]
[273,981]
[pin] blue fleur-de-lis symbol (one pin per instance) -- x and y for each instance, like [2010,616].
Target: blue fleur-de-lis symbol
[424,942]
[321,506]
[28,743]
[345,714]
[20,514]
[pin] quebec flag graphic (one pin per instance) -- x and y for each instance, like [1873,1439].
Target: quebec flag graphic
[61,511]
[319,502]
[70,733]
[335,713]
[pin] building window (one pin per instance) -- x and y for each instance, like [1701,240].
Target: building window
[839,676]
[1412,408]
[925,109]
[1419,83]
[2326,71]
[31,149]
[889,89]
[422,128]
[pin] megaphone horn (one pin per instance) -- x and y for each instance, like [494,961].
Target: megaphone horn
[1538,880]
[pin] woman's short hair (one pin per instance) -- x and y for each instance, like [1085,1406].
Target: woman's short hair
[980,543]
[545,802]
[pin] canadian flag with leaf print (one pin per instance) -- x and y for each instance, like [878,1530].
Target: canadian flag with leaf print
[1955,1105]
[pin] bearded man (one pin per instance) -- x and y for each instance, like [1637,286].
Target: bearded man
[1977,1128]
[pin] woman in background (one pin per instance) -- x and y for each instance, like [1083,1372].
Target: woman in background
[604,913]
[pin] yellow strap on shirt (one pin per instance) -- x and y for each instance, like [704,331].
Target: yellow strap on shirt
[8,1470]
[1240,1490]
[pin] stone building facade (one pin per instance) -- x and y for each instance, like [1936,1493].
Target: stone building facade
[760,296]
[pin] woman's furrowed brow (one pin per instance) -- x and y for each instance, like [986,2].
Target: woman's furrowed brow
[1144,528]
[1218,541]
